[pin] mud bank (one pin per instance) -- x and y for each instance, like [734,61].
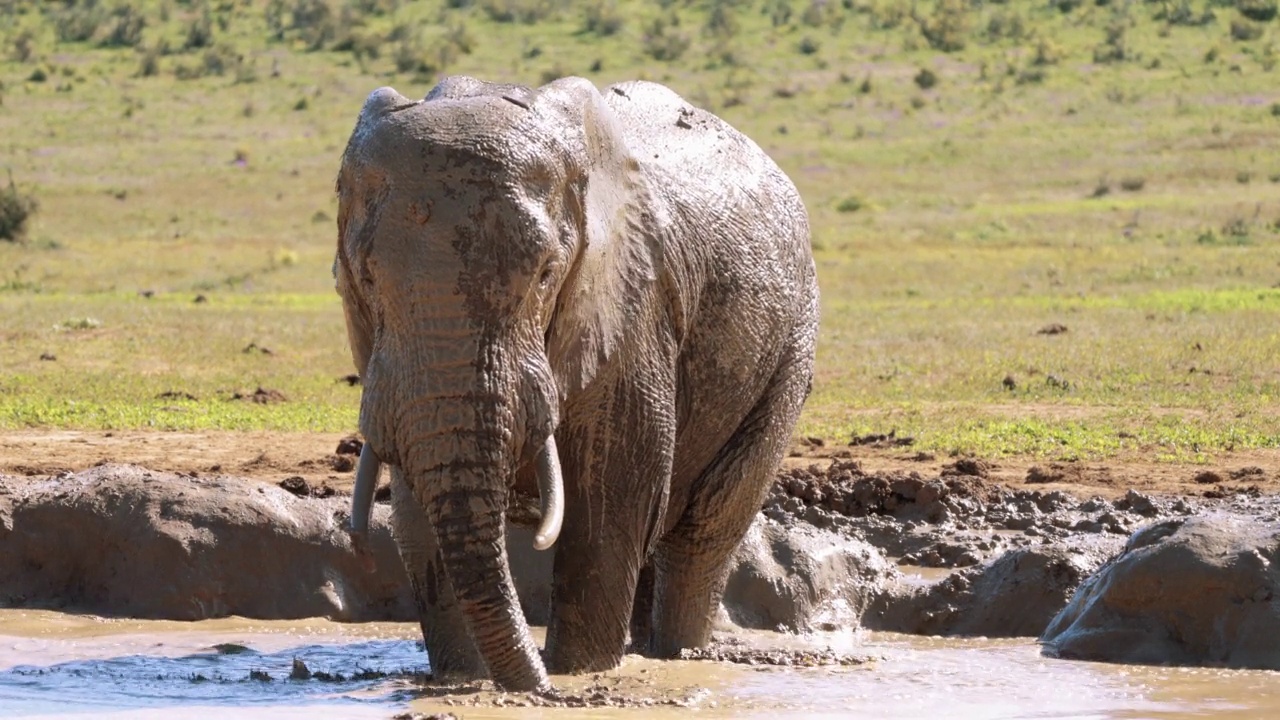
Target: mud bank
[834,548]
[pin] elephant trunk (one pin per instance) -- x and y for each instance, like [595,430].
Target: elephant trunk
[462,485]
[451,435]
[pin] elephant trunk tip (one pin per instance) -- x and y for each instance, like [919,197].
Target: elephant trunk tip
[550,494]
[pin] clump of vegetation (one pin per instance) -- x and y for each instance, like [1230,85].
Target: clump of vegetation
[16,209]
[1244,30]
[602,18]
[663,42]
[926,79]
[1258,10]
[851,204]
[947,28]
[1114,48]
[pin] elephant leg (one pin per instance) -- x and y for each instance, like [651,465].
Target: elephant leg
[691,561]
[642,611]
[450,647]
[617,475]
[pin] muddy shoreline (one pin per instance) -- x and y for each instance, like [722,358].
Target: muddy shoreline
[842,551]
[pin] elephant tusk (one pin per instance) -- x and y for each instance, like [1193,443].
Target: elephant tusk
[362,495]
[550,494]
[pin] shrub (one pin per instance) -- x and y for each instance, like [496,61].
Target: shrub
[1259,10]
[523,11]
[16,209]
[1245,30]
[149,64]
[24,46]
[1133,184]
[926,79]
[662,42]
[779,12]
[721,20]
[946,28]
[199,31]
[1115,48]
[602,18]
[126,25]
[78,21]
[1047,53]
[808,46]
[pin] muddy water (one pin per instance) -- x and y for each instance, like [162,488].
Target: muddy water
[53,665]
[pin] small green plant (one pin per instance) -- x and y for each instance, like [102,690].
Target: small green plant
[926,79]
[850,204]
[16,209]
[808,46]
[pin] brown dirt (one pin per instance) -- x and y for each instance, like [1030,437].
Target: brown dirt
[328,459]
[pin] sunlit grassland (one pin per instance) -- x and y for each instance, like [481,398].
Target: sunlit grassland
[1133,201]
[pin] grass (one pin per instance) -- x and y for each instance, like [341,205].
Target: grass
[952,156]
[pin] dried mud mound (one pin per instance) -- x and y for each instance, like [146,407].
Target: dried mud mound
[121,540]
[1199,591]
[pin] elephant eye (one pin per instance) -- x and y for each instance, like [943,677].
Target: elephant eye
[545,278]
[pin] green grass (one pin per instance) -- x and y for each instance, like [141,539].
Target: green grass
[1120,182]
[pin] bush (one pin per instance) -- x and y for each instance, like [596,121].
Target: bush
[602,18]
[24,46]
[926,79]
[947,27]
[15,210]
[200,31]
[1259,10]
[808,46]
[721,20]
[126,25]
[662,42]
[523,11]
[1245,30]
[78,21]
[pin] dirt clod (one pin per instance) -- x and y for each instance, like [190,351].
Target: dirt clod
[261,396]
[882,439]
[1208,477]
[1052,329]
[48,357]
[297,485]
[350,445]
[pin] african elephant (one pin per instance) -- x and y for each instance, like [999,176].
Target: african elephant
[606,299]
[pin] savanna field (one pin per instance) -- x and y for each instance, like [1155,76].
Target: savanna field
[1043,229]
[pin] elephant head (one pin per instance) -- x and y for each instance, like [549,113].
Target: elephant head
[492,243]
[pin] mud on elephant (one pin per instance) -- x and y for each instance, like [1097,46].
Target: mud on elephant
[604,298]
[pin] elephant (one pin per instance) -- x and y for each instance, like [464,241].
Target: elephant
[604,298]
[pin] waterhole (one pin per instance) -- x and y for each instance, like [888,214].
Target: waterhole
[55,665]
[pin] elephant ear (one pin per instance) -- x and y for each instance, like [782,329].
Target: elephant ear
[617,260]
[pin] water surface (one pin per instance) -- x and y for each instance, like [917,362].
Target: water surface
[60,665]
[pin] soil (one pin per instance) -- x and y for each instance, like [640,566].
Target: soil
[328,458]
